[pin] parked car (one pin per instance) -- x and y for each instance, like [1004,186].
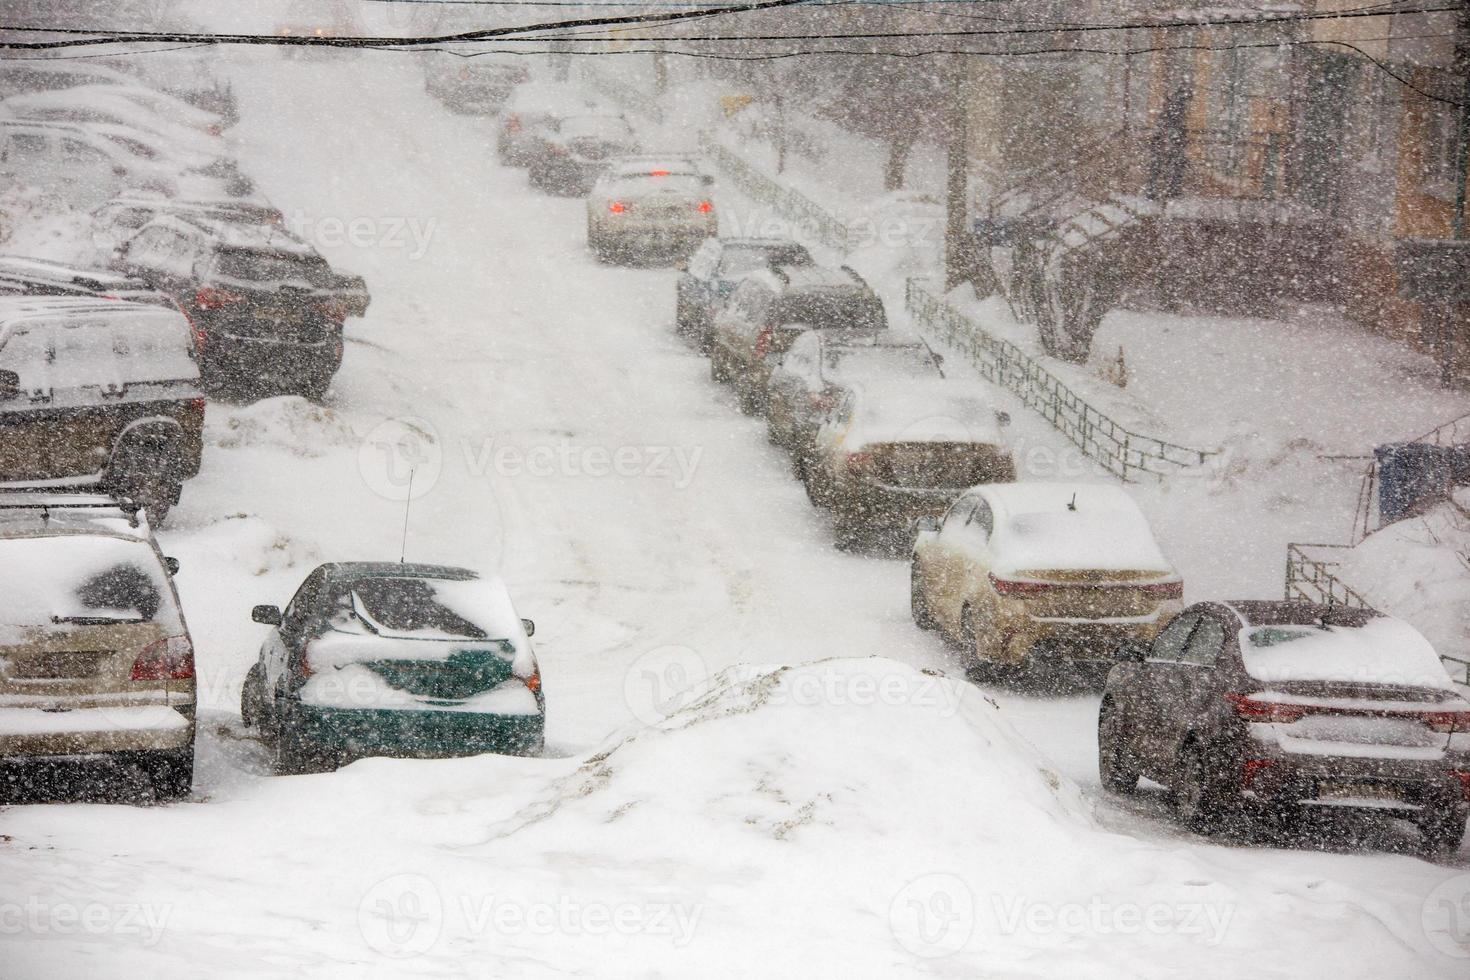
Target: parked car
[571,160]
[160,118]
[267,309]
[822,366]
[534,113]
[650,211]
[1281,707]
[99,393]
[394,659]
[891,455]
[81,168]
[713,272]
[1022,571]
[771,308]
[20,276]
[118,220]
[472,85]
[96,662]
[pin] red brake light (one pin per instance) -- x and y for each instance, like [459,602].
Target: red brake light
[763,341]
[512,123]
[1252,769]
[213,297]
[1464,778]
[534,681]
[169,659]
[705,207]
[1266,712]
[616,207]
[1014,587]
[1165,590]
[1448,721]
[658,173]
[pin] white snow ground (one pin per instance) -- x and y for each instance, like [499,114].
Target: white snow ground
[852,818]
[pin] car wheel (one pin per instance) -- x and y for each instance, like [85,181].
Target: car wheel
[918,603]
[1441,833]
[252,695]
[1200,801]
[1115,767]
[291,757]
[681,315]
[145,475]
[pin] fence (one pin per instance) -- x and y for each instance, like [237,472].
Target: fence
[1125,454]
[1312,579]
[810,219]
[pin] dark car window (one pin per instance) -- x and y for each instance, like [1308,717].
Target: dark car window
[1169,644]
[831,310]
[261,265]
[959,514]
[302,607]
[1204,646]
[983,518]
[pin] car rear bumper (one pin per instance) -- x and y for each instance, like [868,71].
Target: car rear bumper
[359,732]
[887,508]
[1077,641]
[233,359]
[1354,784]
[32,733]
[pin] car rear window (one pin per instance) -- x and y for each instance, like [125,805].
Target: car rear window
[269,266]
[832,311]
[883,362]
[1382,651]
[423,608]
[75,580]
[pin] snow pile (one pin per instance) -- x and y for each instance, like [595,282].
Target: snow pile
[39,225]
[289,422]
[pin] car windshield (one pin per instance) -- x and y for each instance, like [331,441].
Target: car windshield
[880,362]
[269,266]
[60,581]
[421,608]
[830,310]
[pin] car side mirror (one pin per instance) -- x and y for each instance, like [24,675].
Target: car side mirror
[529,626]
[268,615]
[9,385]
[1002,418]
[171,563]
[1133,652]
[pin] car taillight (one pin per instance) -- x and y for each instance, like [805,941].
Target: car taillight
[1464,778]
[512,123]
[213,297]
[658,173]
[616,207]
[763,341]
[1252,769]
[858,462]
[1015,587]
[169,659]
[1448,721]
[196,407]
[1248,708]
[1164,590]
[534,681]
[704,207]
[332,309]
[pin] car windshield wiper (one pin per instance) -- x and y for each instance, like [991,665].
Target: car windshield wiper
[96,620]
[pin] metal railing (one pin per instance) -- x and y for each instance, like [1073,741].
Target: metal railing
[1312,579]
[810,219]
[1125,454]
[1453,433]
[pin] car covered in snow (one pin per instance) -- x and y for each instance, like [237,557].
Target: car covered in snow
[116,221]
[713,272]
[394,659]
[771,308]
[24,276]
[822,366]
[1016,572]
[890,455]
[267,309]
[96,661]
[652,209]
[472,85]
[534,113]
[99,392]
[571,160]
[81,167]
[1282,707]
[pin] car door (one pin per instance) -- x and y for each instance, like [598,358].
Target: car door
[786,391]
[282,648]
[940,561]
[1153,700]
[1193,687]
[968,573]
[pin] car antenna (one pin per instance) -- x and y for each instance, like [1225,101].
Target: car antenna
[407,503]
[1072,504]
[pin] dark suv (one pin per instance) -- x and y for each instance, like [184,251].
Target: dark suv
[1282,707]
[98,392]
[771,308]
[267,310]
[713,272]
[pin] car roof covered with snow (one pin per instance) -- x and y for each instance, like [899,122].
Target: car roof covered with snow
[552,98]
[45,277]
[908,409]
[1069,526]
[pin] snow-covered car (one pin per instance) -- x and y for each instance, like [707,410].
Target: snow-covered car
[821,367]
[118,220]
[95,392]
[394,659]
[571,160]
[267,309]
[771,308]
[468,85]
[713,272]
[889,455]
[1021,571]
[651,212]
[22,276]
[81,168]
[96,662]
[534,113]
[176,124]
[1282,707]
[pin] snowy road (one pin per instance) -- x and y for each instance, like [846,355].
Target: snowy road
[569,441]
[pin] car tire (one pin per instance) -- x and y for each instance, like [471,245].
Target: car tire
[145,475]
[252,697]
[1200,802]
[1115,768]
[293,758]
[918,604]
[681,315]
[1440,833]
